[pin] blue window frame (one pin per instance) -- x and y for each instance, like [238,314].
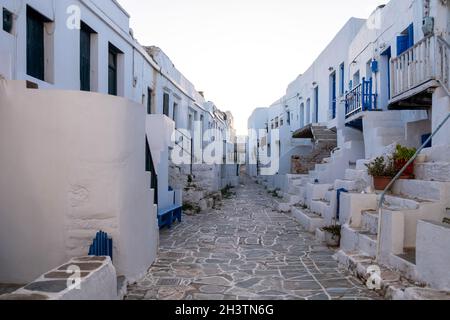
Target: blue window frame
[342,79]
[333,95]
[316,104]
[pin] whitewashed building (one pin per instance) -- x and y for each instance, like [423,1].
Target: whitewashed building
[88,118]
[385,82]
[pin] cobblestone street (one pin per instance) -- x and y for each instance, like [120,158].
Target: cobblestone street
[245,250]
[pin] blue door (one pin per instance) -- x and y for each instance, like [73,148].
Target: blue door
[316,104]
[387,55]
[333,95]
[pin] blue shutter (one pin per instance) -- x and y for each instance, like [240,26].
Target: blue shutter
[402,44]
[411,36]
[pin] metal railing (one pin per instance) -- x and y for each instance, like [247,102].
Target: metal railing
[394,180]
[360,98]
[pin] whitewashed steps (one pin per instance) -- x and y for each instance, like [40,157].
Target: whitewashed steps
[307,219]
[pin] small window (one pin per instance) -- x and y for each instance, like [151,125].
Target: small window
[342,79]
[36,49]
[85,57]
[149,100]
[112,70]
[175,107]
[7,21]
[166,104]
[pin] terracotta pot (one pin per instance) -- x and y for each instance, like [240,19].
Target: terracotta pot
[409,172]
[380,183]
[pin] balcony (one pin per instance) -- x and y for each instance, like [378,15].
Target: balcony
[413,73]
[360,99]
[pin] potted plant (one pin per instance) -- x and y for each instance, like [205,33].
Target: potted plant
[401,157]
[332,235]
[382,172]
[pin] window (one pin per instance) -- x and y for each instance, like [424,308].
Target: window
[175,107]
[149,100]
[35,44]
[342,79]
[85,57]
[356,79]
[166,104]
[369,69]
[113,53]
[405,40]
[7,21]
[333,97]
[316,104]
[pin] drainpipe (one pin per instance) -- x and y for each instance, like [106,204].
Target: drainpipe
[383,195]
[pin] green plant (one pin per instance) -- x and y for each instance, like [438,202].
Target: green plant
[381,168]
[226,192]
[334,230]
[404,153]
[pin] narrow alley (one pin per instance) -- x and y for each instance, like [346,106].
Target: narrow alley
[245,250]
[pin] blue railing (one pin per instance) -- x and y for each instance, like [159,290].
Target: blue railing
[102,245]
[361,98]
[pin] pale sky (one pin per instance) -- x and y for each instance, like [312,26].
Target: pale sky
[242,53]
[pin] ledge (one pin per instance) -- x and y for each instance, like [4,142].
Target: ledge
[96,276]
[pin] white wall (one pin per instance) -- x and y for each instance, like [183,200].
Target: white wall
[74,165]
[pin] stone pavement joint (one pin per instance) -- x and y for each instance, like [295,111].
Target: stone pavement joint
[245,251]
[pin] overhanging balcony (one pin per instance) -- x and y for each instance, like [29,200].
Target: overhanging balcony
[416,71]
[361,98]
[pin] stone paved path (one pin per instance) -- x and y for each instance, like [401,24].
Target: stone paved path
[245,251]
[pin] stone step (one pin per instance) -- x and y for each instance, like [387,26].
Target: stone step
[330,195]
[349,185]
[354,174]
[420,189]
[405,263]
[397,202]
[370,221]
[368,243]
[392,286]
[320,207]
[317,191]
[294,190]
[307,219]
[433,171]
[358,240]
[292,199]
[320,235]
[281,205]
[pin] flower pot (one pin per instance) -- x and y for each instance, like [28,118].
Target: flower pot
[380,183]
[409,172]
[331,239]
